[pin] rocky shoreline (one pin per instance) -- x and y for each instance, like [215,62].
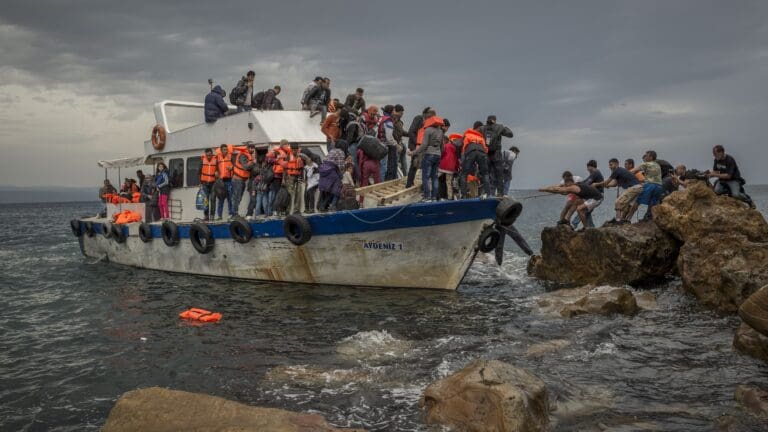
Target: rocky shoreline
[715,246]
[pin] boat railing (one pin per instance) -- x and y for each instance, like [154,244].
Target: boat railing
[161,116]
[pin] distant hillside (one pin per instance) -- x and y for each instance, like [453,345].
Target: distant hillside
[14,194]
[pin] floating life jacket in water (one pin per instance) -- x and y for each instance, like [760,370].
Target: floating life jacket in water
[201,315]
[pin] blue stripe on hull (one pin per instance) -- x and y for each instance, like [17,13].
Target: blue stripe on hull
[360,221]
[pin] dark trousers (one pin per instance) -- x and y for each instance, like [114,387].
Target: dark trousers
[415,163]
[391,173]
[309,200]
[496,167]
[474,161]
[327,199]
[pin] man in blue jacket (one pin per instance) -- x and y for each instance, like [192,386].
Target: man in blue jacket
[215,106]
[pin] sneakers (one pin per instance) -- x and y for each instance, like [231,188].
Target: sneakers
[313,113]
[563,222]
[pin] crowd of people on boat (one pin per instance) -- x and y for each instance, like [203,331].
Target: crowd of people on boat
[646,184]
[366,145]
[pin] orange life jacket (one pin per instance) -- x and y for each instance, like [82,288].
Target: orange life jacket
[200,315]
[471,137]
[294,165]
[126,216]
[135,197]
[225,164]
[640,176]
[280,156]
[239,169]
[134,187]
[432,121]
[208,170]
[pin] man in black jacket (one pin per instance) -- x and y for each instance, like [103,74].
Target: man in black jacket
[355,102]
[413,132]
[493,132]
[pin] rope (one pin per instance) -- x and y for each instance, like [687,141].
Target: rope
[535,196]
[378,221]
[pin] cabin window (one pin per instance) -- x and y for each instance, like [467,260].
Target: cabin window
[194,164]
[176,172]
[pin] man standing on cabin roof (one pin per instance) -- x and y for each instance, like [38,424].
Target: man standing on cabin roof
[626,180]
[492,132]
[215,107]
[225,160]
[242,94]
[208,173]
[305,101]
[241,173]
[319,98]
[729,180]
[581,192]
[268,99]
[355,102]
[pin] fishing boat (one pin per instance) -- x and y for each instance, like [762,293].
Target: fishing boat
[393,241]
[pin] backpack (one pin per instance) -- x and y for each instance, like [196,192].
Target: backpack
[258,100]
[282,200]
[233,96]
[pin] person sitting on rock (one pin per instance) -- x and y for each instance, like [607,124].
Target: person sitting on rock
[674,181]
[581,192]
[623,178]
[729,180]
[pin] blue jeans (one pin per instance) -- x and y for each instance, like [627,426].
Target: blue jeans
[207,190]
[261,203]
[507,181]
[220,204]
[356,168]
[383,164]
[238,186]
[429,166]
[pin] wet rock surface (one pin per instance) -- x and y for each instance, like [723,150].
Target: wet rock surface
[697,212]
[626,254]
[159,409]
[754,310]
[749,341]
[602,300]
[723,270]
[753,399]
[542,349]
[488,395]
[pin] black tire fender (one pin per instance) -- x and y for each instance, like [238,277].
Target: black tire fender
[201,237]
[508,211]
[74,224]
[117,233]
[488,240]
[89,231]
[297,229]
[170,232]
[145,232]
[240,230]
[106,230]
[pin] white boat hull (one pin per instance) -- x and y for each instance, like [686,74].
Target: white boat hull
[427,246]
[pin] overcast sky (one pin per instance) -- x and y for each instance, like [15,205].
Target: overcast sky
[575,80]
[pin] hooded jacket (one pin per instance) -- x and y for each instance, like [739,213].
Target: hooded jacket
[493,133]
[215,106]
[330,178]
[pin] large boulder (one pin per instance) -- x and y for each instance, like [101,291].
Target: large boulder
[488,395]
[625,254]
[748,341]
[697,212]
[158,409]
[602,300]
[723,270]
[754,310]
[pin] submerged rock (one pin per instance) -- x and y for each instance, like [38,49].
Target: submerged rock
[542,349]
[159,409]
[754,310]
[316,377]
[697,212]
[722,270]
[488,395]
[625,254]
[646,300]
[373,346]
[753,399]
[602,300]
[748,341]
